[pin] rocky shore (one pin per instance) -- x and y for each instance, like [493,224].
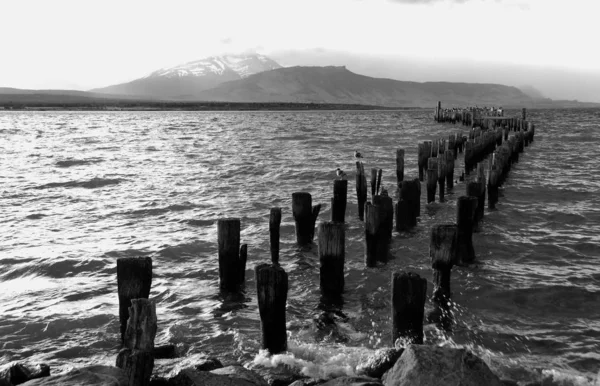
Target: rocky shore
[423,365]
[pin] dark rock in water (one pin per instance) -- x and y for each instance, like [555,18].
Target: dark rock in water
[353,381]
[508,382]
[209,364]
[280,375]
[230,376]
[427,365]
[167,351]
[379,362]
[89,376]
[168,368]
[239,372]
[18,373]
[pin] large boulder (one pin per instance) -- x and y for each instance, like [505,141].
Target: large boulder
[17,373]
[352,381]
[89,376]
[379,362]
[226,376]
[425,365]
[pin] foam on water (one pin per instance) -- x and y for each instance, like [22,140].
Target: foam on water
[96,186]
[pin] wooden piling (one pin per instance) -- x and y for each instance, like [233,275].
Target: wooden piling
[338,201]
[136,357]
[465,212]
[305,216]
[399,165]
[475,189]
[408,205]
[361,189]
[232,263]
[271,294]
[441,168]
[423,156]
[432,179]
[373,182]
[134,278]
[442,251]
[409,293]
[373,235]
[274,227]
[449,168]
[332,254]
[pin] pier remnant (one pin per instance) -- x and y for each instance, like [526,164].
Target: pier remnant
[332,255]
[232,257]
[136,356]
[399,165]
[465,213]
[305,217]
[409,293]
[361,189]
[274,228]
[375,238]
[442,251]
[338,201]
[271,294]
[134,278]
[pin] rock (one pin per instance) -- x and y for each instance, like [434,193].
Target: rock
[166,351]
[89,376]
[240,372]
[280,375]
[209,364]
[431,365]
[168,368]
[17,373]
[353,381]
[379,362]
[508,382]
[191,377]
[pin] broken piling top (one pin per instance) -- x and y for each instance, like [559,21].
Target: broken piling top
[305,216]
[332,255]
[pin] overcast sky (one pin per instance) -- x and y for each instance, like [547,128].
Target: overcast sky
[85,44]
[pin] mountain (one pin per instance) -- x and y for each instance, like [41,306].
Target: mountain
[339,85]
[533,92]
[187,80]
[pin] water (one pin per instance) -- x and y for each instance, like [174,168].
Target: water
[81,189]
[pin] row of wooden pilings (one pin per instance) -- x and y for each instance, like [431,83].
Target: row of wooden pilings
[450,244]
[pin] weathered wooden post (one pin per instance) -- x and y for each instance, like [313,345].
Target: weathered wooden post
[271,293]
[450,168]
[373,182]
[417,199]
[136,356]
[305,216]
[408,204]
[232,257]
[474,189]
[375,237]
[361,189]
[332,254]
[432,179]
[338,201]
[442,250]
[424,154]
[134,278]
[409,293]
[399,165]
[386,206]
[439,111]
[274,226]
[441,168]
[492,188]
[524,114]
[465,212]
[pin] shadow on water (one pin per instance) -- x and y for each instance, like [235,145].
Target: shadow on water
[230,302]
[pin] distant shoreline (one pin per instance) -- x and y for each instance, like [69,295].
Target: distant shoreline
[192,106]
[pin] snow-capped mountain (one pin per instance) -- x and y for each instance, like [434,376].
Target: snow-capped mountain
[243,65]
[188,79]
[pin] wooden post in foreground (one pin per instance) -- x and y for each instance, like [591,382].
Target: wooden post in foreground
[338,201]
[136,356]
[332,254]
[409,293]
[134,278]
[374,236]
[271,294]
[274,226]
[232,257]
[465,212]
[305,216]
[408,205]
[432,179]
[399,165]
[361,189]
[442,250]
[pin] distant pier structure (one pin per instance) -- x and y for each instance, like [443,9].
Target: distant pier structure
[483,117]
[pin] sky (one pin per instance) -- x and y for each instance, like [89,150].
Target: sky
[83,44]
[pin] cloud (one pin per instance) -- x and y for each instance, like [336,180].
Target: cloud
[427,1]
[226,40]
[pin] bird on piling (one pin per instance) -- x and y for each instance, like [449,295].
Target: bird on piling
[340,173]
[357,154]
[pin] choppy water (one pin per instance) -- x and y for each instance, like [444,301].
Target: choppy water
[80,189]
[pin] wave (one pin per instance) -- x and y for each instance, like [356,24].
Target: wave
[76,162]
[94,183]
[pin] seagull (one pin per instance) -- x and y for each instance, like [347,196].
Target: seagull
[340,173]
[357,154]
